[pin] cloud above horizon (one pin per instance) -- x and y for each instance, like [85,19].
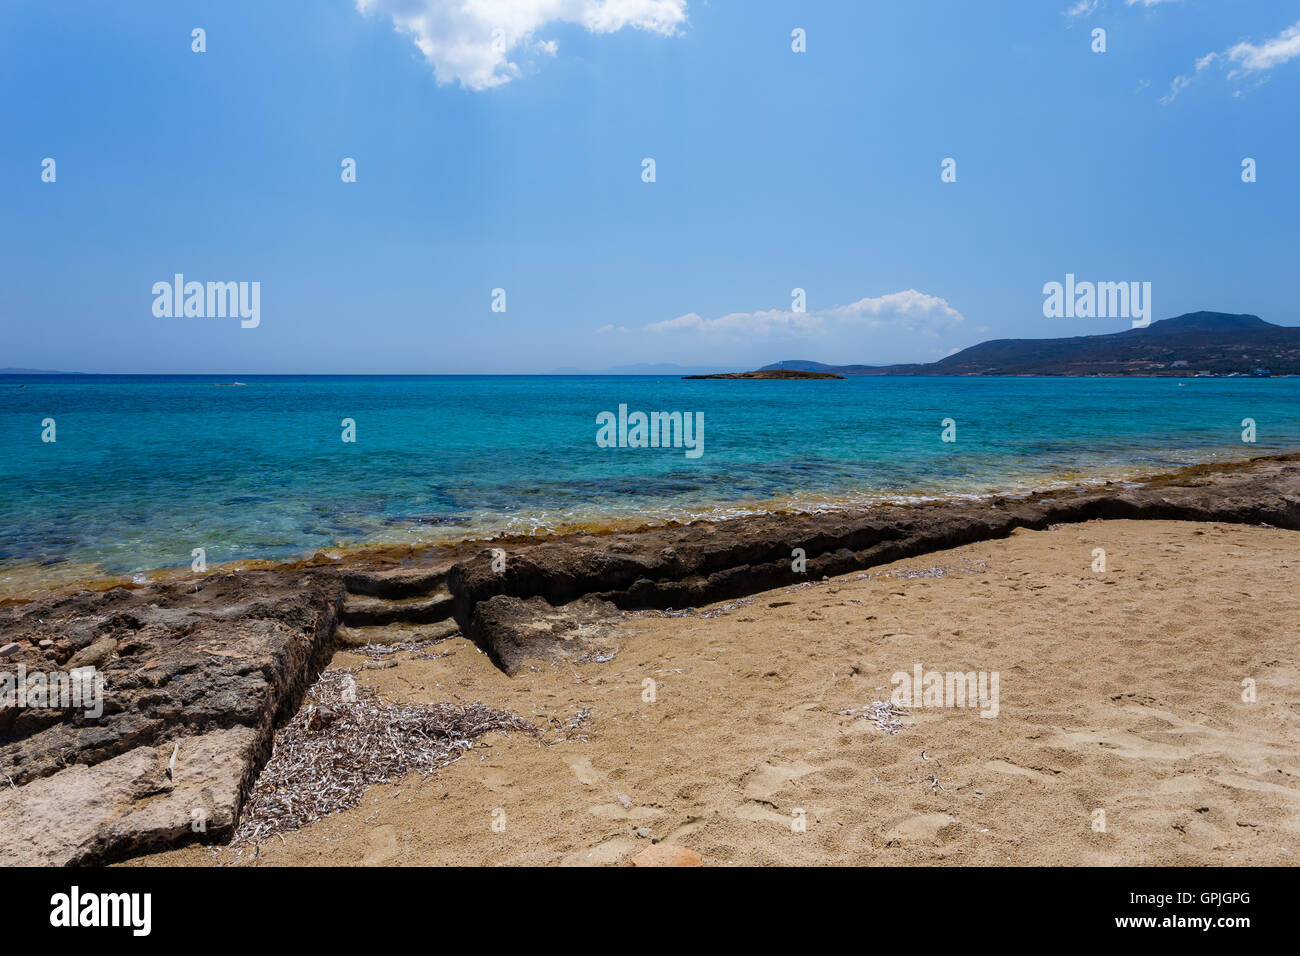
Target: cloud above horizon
[1244,59]
[909,310]
[471,42]
[1084,8]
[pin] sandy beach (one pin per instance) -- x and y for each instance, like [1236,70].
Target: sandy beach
[1116,683]
[1120,691]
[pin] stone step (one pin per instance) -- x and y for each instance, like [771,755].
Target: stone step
[394,633]
[361,611]
[397,583]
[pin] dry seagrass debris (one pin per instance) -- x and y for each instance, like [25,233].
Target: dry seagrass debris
[590,657]
[379,651]
[883,714]
[571,729]
[963,567]
[345,738]
[713,612]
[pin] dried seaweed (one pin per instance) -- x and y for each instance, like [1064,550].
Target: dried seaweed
[883,714]
[570,730]
[345,738]
[963,567]
[716,611]
[379,651]
[590,657]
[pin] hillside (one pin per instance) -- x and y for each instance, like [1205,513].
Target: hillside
[1217,342]
[803,365]
[771,373]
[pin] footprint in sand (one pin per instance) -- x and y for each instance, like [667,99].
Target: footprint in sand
[495,779]
[793,715]
[1005,766]
[695,821]
[623,808]
[762,784]
[616,811]
[586,774]
[756,813]
[1163,735]
[925,828]
[608,851]
[1177,744]
[383,846]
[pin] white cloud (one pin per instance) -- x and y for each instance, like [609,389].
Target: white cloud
[1250,58]
[749,323]
[910,310]
[1084,8]
[471,42]
[1176,86]
[1244,59]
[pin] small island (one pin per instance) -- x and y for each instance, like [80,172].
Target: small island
[769,373]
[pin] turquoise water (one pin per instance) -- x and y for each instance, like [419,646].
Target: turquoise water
[146,468]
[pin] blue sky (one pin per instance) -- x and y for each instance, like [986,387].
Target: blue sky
[519,166]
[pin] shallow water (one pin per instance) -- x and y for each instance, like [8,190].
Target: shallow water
[145,469]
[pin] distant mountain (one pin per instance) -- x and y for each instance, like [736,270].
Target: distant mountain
[803,365]
[800,365]
[772,373]
[1217,342]
[34,371]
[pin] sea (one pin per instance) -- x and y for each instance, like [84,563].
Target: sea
[144,470]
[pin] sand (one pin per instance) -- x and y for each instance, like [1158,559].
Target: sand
[1118,692]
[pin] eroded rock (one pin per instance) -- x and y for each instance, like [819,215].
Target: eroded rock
[692,565]
[128,804]
[514,632]
[214,664]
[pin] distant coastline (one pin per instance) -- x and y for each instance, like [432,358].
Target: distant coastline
[1198,344]
[778,373]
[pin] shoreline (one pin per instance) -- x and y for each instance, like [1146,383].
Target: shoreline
[215,665]
[384,553]
[1119,691]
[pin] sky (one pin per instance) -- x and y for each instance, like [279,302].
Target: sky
[501,146]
